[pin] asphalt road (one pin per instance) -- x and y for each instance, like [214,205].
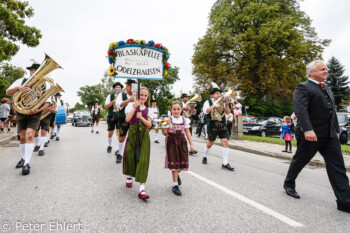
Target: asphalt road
[78,187]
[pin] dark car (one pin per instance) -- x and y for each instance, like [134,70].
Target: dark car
[263,126]
[343,119]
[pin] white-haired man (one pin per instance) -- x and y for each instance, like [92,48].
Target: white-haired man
[318,131]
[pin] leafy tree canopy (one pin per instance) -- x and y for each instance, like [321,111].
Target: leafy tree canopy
[8,74]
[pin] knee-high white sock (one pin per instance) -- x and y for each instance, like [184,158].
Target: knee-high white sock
[92,127]
[225,152]
[36,141]
[206,151]
[58,132]
[55,129]
[23,150]
[156,136]
[120,145]
[109,141]
[29,151]
[42,142]
[96,127]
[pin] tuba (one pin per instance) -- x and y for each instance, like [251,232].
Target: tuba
[37,94]
[218,114]
[196,98]
[46,111]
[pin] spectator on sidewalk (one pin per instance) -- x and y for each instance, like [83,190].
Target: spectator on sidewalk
[4,114]
[237,110]
[201,123]
[229,121]
[287,134]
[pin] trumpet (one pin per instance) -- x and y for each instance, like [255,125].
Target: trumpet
[189,113]
[218,114]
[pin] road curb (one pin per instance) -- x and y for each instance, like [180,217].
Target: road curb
[7,140]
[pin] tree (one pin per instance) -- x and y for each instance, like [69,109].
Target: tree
[88,94]
[13,28]
[260,47]
[78,106]
[336,81]
[8,74]
[160,90]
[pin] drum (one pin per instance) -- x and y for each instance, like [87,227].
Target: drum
[61,117]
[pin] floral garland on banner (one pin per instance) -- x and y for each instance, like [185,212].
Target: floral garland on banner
[112,56]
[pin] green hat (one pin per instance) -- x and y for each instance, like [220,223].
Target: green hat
[154,101]
[184,95]
[118,84]
[58,94]
[215,88]
[35,65]
[130,81]
[96,100]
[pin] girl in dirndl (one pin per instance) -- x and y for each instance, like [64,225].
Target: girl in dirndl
[132,167]
[176,158]
[287,133]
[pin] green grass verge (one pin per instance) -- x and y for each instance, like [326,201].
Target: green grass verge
[344,148]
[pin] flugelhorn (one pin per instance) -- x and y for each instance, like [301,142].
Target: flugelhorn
[38,92]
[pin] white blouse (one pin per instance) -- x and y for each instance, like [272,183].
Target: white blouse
[130,106]
[180,121]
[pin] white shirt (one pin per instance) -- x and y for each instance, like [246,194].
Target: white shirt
[318,83]
[58,103]
[229,117]
[180,121]
[207,105]
[108,100]
[130,106]
[119,100]
[155,112]
[96,109]
[239,110]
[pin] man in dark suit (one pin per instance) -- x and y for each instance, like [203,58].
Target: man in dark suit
[317,130]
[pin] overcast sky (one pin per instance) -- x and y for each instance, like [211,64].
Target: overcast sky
[77,34]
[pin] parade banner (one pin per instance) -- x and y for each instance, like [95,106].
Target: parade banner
[138,59]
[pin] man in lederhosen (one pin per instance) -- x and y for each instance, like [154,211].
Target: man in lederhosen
[155,113]
[216,128]
[122,100]
[26,124]
[112,116]
[192,110]
[96,111]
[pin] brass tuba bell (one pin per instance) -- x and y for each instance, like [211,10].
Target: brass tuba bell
[38,92]
[196,98]
[218,114]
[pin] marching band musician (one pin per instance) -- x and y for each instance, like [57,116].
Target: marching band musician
[122,100]
[27,124]
[96,111]
[112,116]
[43,128]
[155,112]
[192,110]
[59,104]
[216,128]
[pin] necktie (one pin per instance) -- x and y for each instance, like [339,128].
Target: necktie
[321,84]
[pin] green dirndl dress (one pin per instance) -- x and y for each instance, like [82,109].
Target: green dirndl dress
[139,169]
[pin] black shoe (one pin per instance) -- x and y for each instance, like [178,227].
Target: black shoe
[92,131]
[57,138]
[46,144]
[193,152]
[177,191]
[291,191]
[20,163]
[36,148]
[119,158]
[228,167]
[52,136]
[156,141]
[41,152]
[97,132]
[343,206]
[204,160]
[109,149]
[179,180]
[116,152]
[26,169]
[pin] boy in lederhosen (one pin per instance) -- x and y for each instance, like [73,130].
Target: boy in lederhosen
[26,124]
[96,111]
[112,116]
[216,128]
[122,100]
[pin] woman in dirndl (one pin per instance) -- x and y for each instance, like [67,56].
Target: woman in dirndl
[176,158]
[134,166]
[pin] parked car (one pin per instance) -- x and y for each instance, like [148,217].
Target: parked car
[69,117]
[246,119]
[82,118]
[343,119]
[263,126]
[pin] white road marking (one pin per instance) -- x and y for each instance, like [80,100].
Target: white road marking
[264,209]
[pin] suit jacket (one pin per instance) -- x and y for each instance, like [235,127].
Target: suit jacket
[315,110]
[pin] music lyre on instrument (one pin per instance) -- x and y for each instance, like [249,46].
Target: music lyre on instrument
[218,114]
